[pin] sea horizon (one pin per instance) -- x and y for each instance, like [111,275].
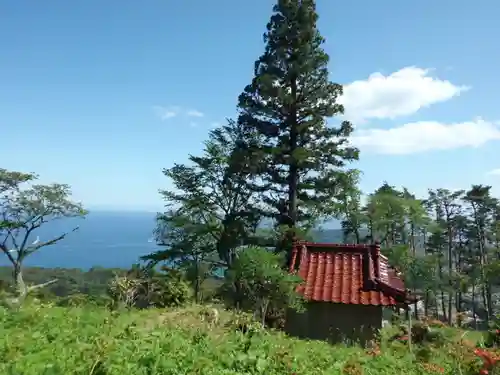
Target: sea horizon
[105,238]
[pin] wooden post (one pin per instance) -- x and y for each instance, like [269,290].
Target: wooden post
[409,330]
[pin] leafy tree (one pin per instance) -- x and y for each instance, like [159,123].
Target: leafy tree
[400,222]
[25,207]
[189,246]
[449,258]
[263,282]
[298,157]
[447,206]
[349,208]
[482,206]
[210,213]
[417,219]
[385,211]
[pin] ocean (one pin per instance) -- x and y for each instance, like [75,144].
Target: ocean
[110,240]
[104,239]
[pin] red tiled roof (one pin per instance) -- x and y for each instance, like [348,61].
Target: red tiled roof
[350,274]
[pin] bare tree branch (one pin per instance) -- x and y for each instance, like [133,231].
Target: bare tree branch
[31,288]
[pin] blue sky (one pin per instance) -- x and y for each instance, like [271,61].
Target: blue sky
[104,94]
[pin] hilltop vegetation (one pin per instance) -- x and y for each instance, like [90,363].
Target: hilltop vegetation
[89,340]
[280,163]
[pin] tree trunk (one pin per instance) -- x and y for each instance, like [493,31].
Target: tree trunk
[443,304]
[436,306]
[473,298]
[293,173]
[459,269]
[413,246]
[263,311]
[197,282]
[485,301]
[426,303]
[19,283]
[22,290]
[450,270]
[356,234]
[482,261]
[293,176]
[372,238]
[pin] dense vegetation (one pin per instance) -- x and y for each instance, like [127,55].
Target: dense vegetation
[89,340]
[263,180]
[70,281]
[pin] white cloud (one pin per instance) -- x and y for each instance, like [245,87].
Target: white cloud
[165,113]
[194,113]
[426,136]
[494,172]
[401,93]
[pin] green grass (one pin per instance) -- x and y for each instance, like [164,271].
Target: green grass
[48,340]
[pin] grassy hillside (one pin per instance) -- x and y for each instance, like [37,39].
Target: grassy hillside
[54,340]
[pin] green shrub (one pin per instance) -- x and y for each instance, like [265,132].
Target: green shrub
[74,300]
[170,292]
[492,337]
[145,288]
[258,282]
[81,300]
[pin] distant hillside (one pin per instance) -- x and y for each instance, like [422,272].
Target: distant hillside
[328,235]
[335,235]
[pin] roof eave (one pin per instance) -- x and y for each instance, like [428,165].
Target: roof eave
[400,295]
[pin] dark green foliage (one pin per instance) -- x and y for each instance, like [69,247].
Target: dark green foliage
[93,282]
[298,157]
[421,334]
[211,211]
[144,287]
[188,246]
[172,292]
[82,300]
[348,209]
[492,337]
[258,281]
[78,287]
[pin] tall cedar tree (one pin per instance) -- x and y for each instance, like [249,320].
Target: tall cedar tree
[300,158]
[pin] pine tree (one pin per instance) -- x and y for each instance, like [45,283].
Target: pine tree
[300,158]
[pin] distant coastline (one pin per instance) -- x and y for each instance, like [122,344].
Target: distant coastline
[108,239]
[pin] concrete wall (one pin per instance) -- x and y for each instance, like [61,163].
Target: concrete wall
[334,322]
